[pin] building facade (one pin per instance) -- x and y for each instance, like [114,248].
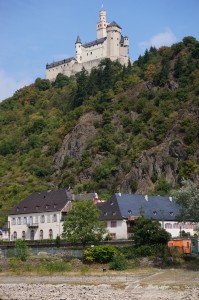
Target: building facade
[110,43]
[122,210]
[40,216]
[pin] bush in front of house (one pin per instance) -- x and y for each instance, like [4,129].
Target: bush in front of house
[118,262]
[99,254]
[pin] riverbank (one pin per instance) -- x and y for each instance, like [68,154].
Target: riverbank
[149,284]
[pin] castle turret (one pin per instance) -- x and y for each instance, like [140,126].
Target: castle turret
[113,40]
[102,24]
[78,47]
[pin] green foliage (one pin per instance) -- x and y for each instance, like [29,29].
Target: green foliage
[187,197]
[163,187]
[99,254]
[82,223]
[149,232]
[21,250]
[118,262]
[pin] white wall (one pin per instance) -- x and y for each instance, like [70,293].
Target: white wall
[49,223]
[120,230]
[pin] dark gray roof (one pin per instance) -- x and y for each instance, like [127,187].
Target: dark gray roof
[122,39]
[155,207]
[42,202]
[60,62]
[78,40]
[127,205]
[110,210]
[114,24]
[93,43]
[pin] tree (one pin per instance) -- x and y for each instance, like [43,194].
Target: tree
[188,199]
[149,232]
[82,223]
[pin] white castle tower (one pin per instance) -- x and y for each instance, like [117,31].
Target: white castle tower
[110,43]
[102,24]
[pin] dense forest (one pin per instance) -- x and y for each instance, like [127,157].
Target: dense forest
[129,129]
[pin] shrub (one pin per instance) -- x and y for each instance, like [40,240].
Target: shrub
[99,254]
[21,250]
[118,262]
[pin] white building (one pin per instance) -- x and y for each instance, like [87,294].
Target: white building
[40,216]
[121,211]
[110,43]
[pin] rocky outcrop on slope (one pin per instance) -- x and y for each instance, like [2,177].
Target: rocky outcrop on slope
[75,143]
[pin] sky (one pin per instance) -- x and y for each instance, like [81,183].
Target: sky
[36,32]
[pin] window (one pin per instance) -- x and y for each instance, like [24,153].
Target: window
[15,236]
[171,213]
[50,234]
[168,226]
[155,213]
[25,220]
[32,235]
[13,221]
[113,223]
[54,218]
[48,219]
[19,221]
[41,234]
[42,219]
[23,235]
[31,220]
[47,206]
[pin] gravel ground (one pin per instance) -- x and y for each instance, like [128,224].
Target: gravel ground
[134,287]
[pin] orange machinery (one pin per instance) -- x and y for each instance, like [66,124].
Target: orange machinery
[182,245]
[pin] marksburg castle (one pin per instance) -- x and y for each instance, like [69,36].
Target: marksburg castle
[110,43]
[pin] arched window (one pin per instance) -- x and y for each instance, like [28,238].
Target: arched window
[15,236]
[54,218]
[13,221]
[50,234]
[32,235]
[19,221]
[23,235]
[41,234]
[25,220]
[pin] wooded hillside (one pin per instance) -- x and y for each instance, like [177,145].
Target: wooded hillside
[129,129]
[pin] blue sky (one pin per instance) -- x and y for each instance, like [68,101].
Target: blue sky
[36,32]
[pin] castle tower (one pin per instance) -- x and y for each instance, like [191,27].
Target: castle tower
[78,48]
[113,40]
[102,24]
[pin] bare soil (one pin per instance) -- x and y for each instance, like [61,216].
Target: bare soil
[148,284]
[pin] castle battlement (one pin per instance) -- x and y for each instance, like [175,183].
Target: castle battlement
[110,43]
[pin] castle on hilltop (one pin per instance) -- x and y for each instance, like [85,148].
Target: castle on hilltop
[110,43]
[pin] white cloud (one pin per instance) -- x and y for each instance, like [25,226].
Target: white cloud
[9,85]
[166,38]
